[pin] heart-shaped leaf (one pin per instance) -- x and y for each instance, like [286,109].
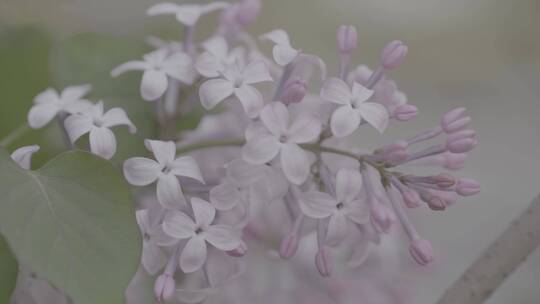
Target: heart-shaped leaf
[8,272]
[72,222]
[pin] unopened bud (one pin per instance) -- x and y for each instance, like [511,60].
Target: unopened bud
[288,246]
[405,112]
[347,39]
[454,161]
[239,251]
[421,251]
[248,11]
[455,120]
[444,180]
[164,288]
[393,54]
[323,262]
[411,198]
[467,187]
[294,91]
[381,217]
[462,141]
[436,203]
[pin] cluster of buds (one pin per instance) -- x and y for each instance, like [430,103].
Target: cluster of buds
[285,148]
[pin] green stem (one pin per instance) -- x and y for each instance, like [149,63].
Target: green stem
[13,135]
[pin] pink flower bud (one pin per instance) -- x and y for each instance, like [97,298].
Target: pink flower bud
[239,251]
[347,39]
[461,141]
[164,288]
[395,146]
[467,187]
[288,246]
[323,261]
[248,11]
[421,251]
[411,198]
[455,120]
[444,180]
[454,161]
[294,91]
[405,112]
[381,217]
[436,203]
[393,54]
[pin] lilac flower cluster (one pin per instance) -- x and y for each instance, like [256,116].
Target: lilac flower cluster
[270,142]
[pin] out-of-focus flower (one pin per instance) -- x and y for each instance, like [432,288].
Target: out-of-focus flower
[283,52]
[23,156]
[187,14]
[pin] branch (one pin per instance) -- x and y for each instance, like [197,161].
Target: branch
[500,259]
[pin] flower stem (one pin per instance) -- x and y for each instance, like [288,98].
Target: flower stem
[14,135]
[498,261]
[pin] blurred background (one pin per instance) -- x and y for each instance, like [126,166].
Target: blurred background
[481,54]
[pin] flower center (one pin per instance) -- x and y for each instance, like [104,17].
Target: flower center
[199,230]
[340,206]
[283,139]
[166,169]
[98,122]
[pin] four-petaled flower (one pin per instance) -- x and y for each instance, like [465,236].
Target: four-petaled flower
[179,225]
[238,81]
[344,206]
[153,257]
[281,135]
[94,121]
[49,103]
[283,52]
[217,57]
[187,14]
[141,171]
[353,107]
[158,66]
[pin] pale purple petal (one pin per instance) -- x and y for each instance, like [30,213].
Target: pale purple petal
[317,205]
[102,142]
[203,211]
[260,150]
[375,114]
[275,117]
[295,163]
[130,66]
[77,125]
[116,117]
[225,196]
[186,166]
[47,97]
[140,171]
[337,91]
[78,106]
[180,67]
[216,46]
[214,91]
[188,14]
[337,229]
[304,129]
[153,84]
[73,93]
[222,237]
[209,65]
[243,173]
[348,184]
[344,121]
[256,71]
[41,114]
[284,54]
[357,211]
[164,151]
[251,99]
[194,255]
[277,36]
[361,93]
[153,258]
[178,225]
[163,8]
[169,193]
[214,6]
[23,155]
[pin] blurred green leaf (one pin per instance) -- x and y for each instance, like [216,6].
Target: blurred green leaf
[73,223]
[8,272]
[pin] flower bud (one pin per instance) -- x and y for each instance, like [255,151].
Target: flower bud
[455,120]
[294,91]
[248,11]
[347,39]
[288,246]
[454,161]
[467,187]
[393,54]
[381,217]
[444,180]
[436,203]
[462,141]
[164,288]
[323,262]
[239,251]
[405,112]
[421,251]
[411,198]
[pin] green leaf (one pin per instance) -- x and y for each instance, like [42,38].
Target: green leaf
[73,223]
[8,272]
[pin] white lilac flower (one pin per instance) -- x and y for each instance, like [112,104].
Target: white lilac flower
[353,107]
[153,257]
[279,134]
[158,66]
[172,46]
[23,155]
[98,123]
[199,231]
[187,14]
[239,82]
[283,52]
[345,206]
[49,103]
[217,57]
[141,171]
